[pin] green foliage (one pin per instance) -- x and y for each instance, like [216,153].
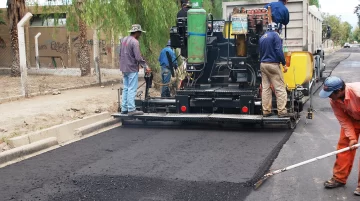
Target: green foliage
[2,21]
[355,36]
[357,12]
[314,2]
[114,18]
[341,31]
[345,32]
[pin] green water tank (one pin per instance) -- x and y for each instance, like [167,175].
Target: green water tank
[197,29]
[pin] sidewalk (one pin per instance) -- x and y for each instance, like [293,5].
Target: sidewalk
[40,112]
[330,50]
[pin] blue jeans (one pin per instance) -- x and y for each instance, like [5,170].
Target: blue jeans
[166,77]
[130,81]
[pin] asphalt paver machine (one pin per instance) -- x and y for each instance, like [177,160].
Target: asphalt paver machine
[224,82]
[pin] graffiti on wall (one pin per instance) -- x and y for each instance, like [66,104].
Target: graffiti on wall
[59,47]
[42,47]
[105,49]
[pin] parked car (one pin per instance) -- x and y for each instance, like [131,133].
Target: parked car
[347,45]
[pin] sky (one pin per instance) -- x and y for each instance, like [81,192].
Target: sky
[335,7]
[339,7]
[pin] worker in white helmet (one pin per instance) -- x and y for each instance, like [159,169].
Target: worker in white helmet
[271,56]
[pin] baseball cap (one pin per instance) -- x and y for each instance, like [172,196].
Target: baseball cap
[331,84]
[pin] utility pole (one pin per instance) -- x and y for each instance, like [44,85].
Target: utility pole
[37,50]
[22,53]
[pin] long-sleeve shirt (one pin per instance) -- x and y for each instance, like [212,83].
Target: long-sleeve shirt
[279,13]
[163,60]
[271,48]
[348,112]
[182,12]
[130,55]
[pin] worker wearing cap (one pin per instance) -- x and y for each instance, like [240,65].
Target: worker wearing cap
[166,68]
[345,102]
[280,14]
[130,60]
[271,55]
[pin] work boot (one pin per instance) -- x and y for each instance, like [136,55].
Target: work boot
[357,191]
[285,115]
[268,115]
[332,183]
[135,112]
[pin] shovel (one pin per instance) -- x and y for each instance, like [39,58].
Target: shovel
[266,176]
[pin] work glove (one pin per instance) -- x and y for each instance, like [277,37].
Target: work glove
[285,69]
[352,142]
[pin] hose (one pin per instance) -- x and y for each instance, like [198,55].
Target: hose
[253,77]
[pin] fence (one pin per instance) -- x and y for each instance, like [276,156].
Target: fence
[57,66]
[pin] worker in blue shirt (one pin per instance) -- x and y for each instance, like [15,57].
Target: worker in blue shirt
[271,55]
[280,14]
[166,68]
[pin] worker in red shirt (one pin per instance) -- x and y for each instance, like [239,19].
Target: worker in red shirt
[345,102]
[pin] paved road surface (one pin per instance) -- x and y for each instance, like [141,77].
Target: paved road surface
[144,164]
[176,164]
[318,137]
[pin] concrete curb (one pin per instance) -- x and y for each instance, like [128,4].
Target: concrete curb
[22,151]
[60,134]
[96,126]
[63,132]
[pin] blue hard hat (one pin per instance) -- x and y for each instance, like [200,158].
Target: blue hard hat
[331,84]
[168,43]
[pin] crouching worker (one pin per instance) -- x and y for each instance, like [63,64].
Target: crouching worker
[271,55]
[345,102]
[166,68]
[130,60]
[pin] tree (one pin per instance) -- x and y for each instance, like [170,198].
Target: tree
[335,23]
[356,34]
[345,31]
[314,2]
[357,12]
[84,51]
[15,11]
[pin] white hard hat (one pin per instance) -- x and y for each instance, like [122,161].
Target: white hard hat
[272,26]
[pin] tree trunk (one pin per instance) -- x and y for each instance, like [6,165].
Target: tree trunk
[84,50]
[15,66]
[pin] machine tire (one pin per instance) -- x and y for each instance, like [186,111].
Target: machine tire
[317,67]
